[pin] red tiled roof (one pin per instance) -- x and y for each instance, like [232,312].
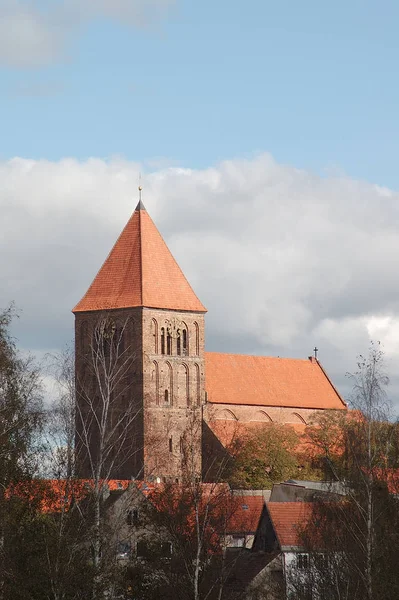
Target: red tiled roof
[269,381]
[140,271]
[288,518]
[246,514]
[55,495]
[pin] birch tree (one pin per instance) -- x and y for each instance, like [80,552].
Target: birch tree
[105,422]
[358,536]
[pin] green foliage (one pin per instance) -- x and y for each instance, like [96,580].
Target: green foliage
[20,407]
[265,456]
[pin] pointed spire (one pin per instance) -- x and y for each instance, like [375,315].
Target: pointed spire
[140,271]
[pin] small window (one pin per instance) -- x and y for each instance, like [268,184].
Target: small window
[123,550]
[170,444]
[166,549]
[132,517]
[302,561]
[167,396]
[238,541]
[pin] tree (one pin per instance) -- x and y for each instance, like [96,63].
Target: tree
[105,435]
[61,416]
[357,537]
[21,413]
[21,419]
[184,545]
[264,456]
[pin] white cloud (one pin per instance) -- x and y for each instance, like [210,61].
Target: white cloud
[282,259]
[27,36]
[31,36]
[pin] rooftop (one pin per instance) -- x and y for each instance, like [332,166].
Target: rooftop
[140,271]
[269,381]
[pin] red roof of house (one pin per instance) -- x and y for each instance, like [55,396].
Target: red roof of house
[269,381]
[55,495]
[140,271]
[288,518]
[245,514]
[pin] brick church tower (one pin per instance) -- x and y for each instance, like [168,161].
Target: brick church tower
[141,313]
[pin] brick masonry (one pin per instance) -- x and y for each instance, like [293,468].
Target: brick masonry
[165,385]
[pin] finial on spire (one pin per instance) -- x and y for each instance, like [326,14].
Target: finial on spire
[140,186]
[140,205]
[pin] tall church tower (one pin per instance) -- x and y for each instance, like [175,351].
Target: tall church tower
[141,303]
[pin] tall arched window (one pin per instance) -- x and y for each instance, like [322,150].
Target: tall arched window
[168,384]
[168,344]
[196,329]
[184,342]
[183,386]
[198,384]
[154,330]
[178,344]
[155,381]
[162,340]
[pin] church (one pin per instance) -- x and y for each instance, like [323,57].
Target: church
[177,392]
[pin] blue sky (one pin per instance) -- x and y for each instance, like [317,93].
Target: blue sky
[311,82]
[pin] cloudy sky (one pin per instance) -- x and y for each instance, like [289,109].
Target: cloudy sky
[267,137]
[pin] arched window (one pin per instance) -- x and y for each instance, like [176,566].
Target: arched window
[155,381]
[198,384]
[183,385]
[170,445]
[154,329]
[168,384]
[178,344]
[162,340]
[168,344]
[185,343]
[196,328]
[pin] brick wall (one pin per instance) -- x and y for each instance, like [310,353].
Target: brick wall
[164,384]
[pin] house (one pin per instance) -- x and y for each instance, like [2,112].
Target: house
[244,519]
[279,537]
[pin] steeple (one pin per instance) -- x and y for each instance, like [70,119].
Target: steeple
[140,271]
